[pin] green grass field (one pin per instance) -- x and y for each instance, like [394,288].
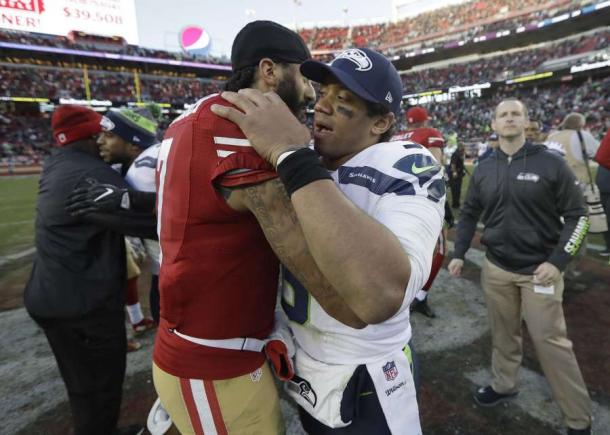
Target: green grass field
[17,211]
[17,207]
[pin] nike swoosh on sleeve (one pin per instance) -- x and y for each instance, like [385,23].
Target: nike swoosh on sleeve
[417,170]
[103,195]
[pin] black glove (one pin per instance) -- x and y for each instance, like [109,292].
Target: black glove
[96,198]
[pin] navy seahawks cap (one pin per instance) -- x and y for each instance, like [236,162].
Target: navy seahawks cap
[366,73]
[134,126]
[260,39]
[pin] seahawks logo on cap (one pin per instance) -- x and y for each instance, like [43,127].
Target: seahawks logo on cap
[107,124]
[357,56]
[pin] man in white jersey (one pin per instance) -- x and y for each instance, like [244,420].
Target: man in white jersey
[141,177]
[370,225]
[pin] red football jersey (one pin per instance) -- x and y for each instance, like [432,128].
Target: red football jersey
[218,276]
[603,153]
[426,136]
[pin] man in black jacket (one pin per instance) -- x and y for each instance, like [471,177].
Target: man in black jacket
[520,193]
[76,289]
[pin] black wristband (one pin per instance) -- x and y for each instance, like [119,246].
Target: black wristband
[141,201]
[301,168]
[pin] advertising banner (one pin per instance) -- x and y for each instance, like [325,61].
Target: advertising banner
[58,17]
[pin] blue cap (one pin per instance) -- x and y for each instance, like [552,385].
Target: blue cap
[133,126]
[366,73]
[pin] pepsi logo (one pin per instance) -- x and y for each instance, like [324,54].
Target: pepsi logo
[195,40]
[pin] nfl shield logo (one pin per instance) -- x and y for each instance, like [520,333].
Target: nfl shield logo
[390,371]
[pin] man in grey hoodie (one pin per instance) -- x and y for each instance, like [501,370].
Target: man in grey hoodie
[520,193]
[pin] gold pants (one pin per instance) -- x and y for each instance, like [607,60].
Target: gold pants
[246,405]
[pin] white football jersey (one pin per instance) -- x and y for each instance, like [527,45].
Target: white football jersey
[141,176]
[141,173]
[399,184]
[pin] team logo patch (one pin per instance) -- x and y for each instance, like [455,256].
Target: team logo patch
[528,176]
[256,375]
[357,56]
[390,371]
[303,388]
[107,124]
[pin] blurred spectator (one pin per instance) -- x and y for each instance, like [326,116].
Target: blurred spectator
[603,153]
[603,182]
[533,132]
[578,144]
[457,171]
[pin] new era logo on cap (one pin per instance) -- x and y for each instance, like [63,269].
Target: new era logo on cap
[389,98]
[359,57]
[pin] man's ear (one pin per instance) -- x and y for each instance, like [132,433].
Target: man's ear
[268,72]
[383,124]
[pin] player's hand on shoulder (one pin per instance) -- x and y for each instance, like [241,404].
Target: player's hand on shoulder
[266,121]
[455,267]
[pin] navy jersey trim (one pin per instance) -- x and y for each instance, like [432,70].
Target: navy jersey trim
[146,162]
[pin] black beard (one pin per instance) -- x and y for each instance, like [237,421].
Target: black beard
[286,89]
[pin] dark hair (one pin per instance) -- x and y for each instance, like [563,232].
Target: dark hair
[377,109]
[242,78]
[245,77]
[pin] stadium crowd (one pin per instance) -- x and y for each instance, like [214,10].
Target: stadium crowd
[469,116]
[24,140]
[547,105]
[452,23]
[502,65]
[55,82]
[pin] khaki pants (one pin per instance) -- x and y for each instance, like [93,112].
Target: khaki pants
[246,405]
[133,270]
[510,298]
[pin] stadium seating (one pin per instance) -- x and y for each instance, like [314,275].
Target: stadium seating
[55,82]
[459,22]
[502,65]
[26,139]
[471,118]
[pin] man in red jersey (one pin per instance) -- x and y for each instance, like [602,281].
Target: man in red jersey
[219,275]
[419,132]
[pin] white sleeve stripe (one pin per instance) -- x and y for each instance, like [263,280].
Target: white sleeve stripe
[436,139]
[224,153]
[219,140]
